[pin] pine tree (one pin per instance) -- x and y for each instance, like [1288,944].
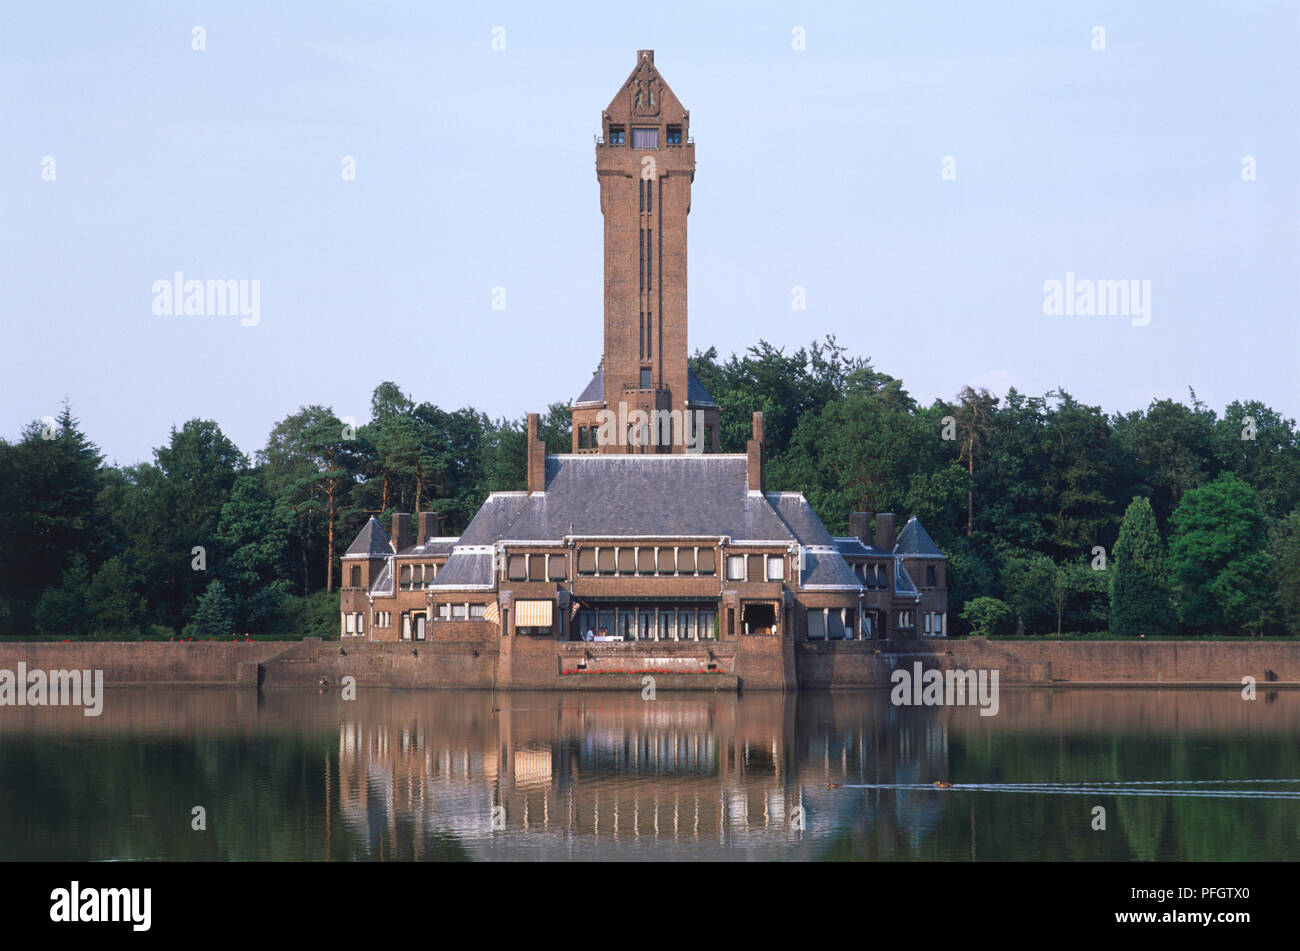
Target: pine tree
[215,616]
[1140,602]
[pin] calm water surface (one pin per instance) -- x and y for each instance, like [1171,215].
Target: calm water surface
[400,775]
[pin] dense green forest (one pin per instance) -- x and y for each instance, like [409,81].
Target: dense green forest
[1055,515]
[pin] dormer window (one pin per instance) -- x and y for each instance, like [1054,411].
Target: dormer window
[674,135]
[645,138]
[617,135]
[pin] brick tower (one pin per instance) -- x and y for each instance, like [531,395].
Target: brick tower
[645,164]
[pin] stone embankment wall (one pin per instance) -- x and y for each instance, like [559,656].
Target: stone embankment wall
[756,663]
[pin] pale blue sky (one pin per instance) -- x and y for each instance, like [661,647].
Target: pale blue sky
[475,168]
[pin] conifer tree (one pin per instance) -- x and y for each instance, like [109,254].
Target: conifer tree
[1140,602]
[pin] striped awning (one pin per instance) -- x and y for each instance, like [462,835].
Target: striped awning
[492,613]
[533,613]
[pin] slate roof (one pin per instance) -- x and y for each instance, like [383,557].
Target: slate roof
[466,569]
[384,583]
[799,517]
[371,540]
[915,540]
[595,390]
[625,495]
[441,545]
[696,393]
[825,568]
[855,548]
[902,580]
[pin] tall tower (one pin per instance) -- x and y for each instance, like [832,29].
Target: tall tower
[645,164]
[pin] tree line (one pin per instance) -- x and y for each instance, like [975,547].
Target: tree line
[1055,516]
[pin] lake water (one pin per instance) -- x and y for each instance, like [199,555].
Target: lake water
[399,775]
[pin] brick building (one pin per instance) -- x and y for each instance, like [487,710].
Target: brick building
[643,531]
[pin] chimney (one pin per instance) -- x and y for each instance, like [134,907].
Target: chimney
[402,535]
[885,536]
[428,527]
[536,457]
[860,526]
[754,450]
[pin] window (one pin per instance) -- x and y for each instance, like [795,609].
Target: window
[626,561]
[584,438]
[617,135]
[476,612]
[708,626]
[705,561]
[356,576]
[458,612]
[556,570]
[606,560]
[536,567]
[735,567]
[755,567]
[444,612]
[775,568]
[349,623]
[645,561]
[404,578]
[674,135]
[640,194]
[650,196]
[816,624]
[835,630]
[640,335]
[666,566]
[517,568]
[645,378]
[649,256]
[645,138]
[586,561]
[927,622]
[708,436]
[649,339]
[930,577]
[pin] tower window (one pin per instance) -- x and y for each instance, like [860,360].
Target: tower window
[617,135]
[640,191]
[674,135]
[641,336]
[645,378]
[645,138]
[649,255]
[649,346]
[650,195]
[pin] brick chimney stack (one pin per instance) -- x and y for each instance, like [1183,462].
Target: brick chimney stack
[401,534]
[536,457]
[885,536]
[860,526]
[755,452]
[428,527]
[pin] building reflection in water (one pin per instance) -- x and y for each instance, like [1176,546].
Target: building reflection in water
[545,775]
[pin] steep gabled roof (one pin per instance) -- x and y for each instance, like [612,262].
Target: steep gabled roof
[800,518]
[915,540]
[371,541]
[595,390]
[697,394]
[466,568]
[825,568]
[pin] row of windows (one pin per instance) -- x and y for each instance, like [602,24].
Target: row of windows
[383,619]
[755,568]
[415,577]
[353,624]
[644,138]
[460,612]
[650,624]
[935,623]
[532,567]
[873,576]
[836,624]
[647,560]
